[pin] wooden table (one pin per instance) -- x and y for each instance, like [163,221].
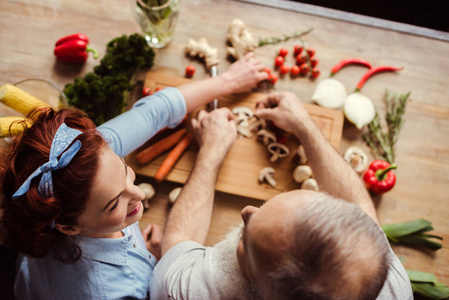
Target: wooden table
[30,28]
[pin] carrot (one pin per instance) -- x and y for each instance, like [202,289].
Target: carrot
[148,154]
[173,157]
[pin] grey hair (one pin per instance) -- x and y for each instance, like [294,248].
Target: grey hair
[336,252]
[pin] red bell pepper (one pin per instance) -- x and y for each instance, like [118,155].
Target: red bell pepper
[379,178]
[73,48]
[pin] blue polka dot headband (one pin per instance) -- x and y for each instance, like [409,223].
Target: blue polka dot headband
[63,138]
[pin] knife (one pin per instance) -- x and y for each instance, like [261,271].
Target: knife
[214,104]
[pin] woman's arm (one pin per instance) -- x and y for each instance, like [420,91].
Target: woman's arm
[241,76]
[167,108]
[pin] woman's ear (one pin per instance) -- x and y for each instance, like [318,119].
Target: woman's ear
[68,229]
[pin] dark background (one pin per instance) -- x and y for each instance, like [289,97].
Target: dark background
[425,13]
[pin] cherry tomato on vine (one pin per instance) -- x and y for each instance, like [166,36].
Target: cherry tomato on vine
[284,69]
[301,58]
[297,49]
[190,70]
[315,73]
[294,71]
[279,61]
[268,70]
[314,61]
[283,52]
[146,91]
[304,68]
[272,78]
[310,52]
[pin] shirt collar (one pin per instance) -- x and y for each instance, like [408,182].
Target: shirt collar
[107,250]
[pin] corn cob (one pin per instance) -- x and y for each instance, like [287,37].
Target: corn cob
[18,99]
[9,126]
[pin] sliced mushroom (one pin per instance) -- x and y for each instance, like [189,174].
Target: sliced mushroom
[173,195]
[301,173]
[259,124]
[149,192]
[278,151]
[302,155]
[310,184]
[243,115]
[357,158]
[266,136]
[267,174]
[244,131]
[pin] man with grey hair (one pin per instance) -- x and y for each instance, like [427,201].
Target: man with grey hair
[298,245]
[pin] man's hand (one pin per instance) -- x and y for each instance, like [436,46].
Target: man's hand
[333,174]
[190,216]
[284,109]
[215,132]
[245,74]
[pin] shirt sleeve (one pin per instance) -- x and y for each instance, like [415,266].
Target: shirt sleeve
[397,286]
[182,273]
[133,128]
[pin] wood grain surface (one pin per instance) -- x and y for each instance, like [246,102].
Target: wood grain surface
[29,29]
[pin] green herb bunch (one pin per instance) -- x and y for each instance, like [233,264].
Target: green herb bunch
[276,39]
[382,142]
[102,94]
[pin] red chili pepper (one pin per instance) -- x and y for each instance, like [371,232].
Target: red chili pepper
[379,178]
[373,71]
[349,61]
[73,48]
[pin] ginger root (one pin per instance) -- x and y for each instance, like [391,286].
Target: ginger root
[241,39]
[203,50]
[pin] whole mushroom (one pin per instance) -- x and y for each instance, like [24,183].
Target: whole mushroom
[149,192]
[357,158]
[310,184]
[267,174]
[301,173]
[173,195]
[277,150]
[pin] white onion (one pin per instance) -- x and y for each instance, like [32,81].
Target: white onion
[359,109]
[330,93]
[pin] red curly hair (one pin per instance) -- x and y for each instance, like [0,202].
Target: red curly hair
[25,220]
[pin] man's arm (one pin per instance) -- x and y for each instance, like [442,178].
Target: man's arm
[190,216]
[333,174]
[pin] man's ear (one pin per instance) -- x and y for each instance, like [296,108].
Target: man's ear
[68,229]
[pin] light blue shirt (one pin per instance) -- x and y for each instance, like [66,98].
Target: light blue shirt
[108,268]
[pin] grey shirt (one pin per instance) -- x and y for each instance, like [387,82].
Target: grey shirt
[189,271]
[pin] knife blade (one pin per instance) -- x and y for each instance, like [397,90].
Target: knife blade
[214,103]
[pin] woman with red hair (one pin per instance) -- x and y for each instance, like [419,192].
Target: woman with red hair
[69,203]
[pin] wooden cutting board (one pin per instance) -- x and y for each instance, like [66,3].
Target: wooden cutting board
[239,172]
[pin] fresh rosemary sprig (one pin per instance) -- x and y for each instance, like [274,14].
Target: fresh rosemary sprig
[276,39]
[382,142]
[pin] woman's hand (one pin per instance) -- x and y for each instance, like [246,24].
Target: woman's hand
[245,74]
[215,132]
[152,235]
